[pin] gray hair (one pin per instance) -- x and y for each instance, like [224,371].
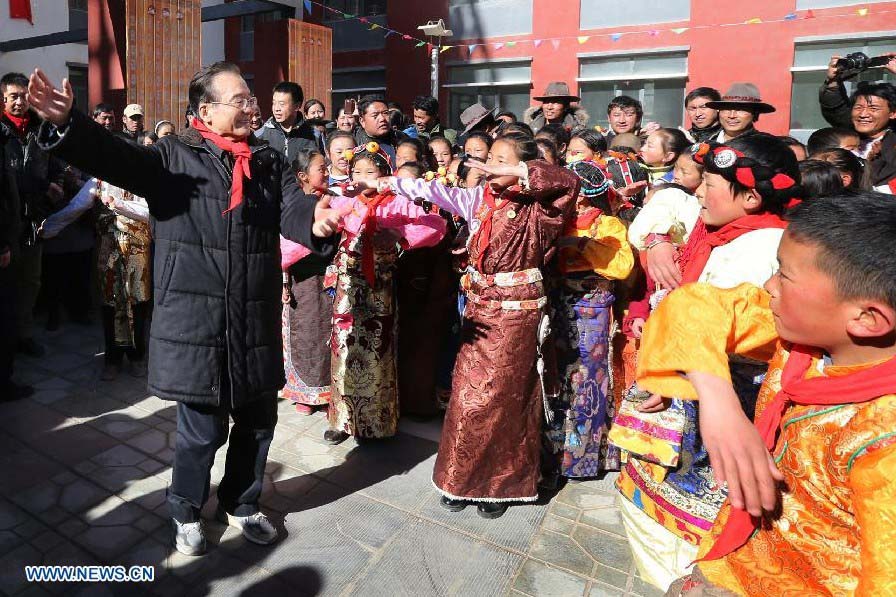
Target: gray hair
[201,90]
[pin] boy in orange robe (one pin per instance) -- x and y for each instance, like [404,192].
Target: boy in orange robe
[812,486]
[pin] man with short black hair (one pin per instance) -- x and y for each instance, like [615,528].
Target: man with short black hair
[39,179]
[104,114]
[871,113]
[286,130]
[217,200]
[373,118]
[426,115]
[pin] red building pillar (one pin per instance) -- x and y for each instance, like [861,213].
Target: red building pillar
[106,54]
[550,64]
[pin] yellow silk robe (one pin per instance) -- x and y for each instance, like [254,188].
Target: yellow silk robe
[837,529]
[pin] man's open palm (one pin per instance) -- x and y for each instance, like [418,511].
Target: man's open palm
[50,103]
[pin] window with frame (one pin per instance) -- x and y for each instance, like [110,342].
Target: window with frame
[77,14]
[658,80]
[247,31]
[355,84]
[502,86]
[805,4]
[479,19]
[597,14]
[810,64]
[362,8]
[77,77]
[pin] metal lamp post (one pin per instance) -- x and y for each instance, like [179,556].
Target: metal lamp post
[435,29]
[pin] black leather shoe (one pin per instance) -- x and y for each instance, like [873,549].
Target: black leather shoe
[491,509]
[452,505]
[334,436]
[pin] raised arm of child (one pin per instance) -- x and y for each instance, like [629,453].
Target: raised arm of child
[460,202]
[684,352]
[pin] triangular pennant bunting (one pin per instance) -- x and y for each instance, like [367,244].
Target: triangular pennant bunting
[555,43]
[445,49]
[615,37]
[498,46]
[470,48]
[536,42]
[582,39]
[679,30]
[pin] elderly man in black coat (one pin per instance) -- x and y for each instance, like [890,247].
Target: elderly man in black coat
[218,204]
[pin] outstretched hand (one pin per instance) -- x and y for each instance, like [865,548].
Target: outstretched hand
[51,104]
[632,189]
[519,170]
[327,220]
[737,453]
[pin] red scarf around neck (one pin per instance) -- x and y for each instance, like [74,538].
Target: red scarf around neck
[241,154]
[858,387]
[368,230]
[701,242]
[20,123]
[486,219]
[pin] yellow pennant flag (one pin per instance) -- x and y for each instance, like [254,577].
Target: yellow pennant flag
[753,21]
[862,12]
[445,48]
[583,38]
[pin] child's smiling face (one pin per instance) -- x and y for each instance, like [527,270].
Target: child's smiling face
[365,170]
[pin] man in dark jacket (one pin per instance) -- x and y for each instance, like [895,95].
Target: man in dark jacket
[374,125]
[287,131]
[739,111]
[871,112]
[39,179]
[556,108]
[10,225]
[218,203]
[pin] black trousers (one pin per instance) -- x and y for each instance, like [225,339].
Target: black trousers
[137,352]
[65,279]
[8,334]
[201,430]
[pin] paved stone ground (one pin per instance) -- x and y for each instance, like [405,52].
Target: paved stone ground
[86,466]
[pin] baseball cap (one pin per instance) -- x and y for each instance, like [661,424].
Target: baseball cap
[133,110]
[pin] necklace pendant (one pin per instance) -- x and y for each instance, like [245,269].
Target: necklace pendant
[511,214]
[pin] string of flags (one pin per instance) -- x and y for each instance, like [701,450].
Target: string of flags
[580,39]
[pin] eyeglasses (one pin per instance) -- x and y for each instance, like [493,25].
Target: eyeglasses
[243,103]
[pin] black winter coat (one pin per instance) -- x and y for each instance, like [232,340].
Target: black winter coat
[216,278]
[34,171]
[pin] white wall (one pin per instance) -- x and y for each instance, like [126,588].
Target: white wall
[50,16]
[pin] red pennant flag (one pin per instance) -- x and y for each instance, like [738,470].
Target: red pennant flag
[20,9]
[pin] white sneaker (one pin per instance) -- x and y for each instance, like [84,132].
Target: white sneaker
[256,528]
[189,538]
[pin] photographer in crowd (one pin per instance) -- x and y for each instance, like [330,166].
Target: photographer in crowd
[870,111]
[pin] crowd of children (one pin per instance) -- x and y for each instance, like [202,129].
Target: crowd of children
[580,303]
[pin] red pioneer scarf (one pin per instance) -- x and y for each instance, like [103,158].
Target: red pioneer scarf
[368,229]
[241,154]
[854,388]
[696,253]
[486,217]
[20,124]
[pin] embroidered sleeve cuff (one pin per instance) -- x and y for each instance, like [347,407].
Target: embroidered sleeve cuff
[524,176]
